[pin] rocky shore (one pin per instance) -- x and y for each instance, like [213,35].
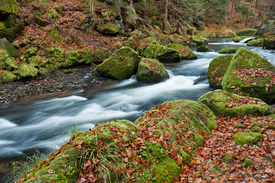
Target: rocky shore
[62,80]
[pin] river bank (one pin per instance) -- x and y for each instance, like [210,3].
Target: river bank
[61,81]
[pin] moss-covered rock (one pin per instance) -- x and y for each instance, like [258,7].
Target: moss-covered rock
[8,63]
[247,163]
[5,45]
[57,55]
[246,32]
[249,138]
[266,28]
[151,70]
[53,14]
[269,42]
[26,70]
[6,76]
[202,48]
[185,51]
[223,103]
[162,53]
[271,126]
[228,50]
[110,29]
[40,21]
[8,7]
[131,17]
[239,38]
[99,56]
[199,40]
[227,159]
[29,53]
[256,129]
[38,61]
[250,73]
[256,42]
[120,65]
[216,69]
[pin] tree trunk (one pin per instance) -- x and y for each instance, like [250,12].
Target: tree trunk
[131,3]
[166,16]
[253,19]
[144,9]
[117,4]
[232,12]
[92,8]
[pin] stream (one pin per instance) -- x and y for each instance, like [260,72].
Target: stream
[43,124]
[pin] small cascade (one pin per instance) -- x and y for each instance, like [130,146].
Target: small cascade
[247,39]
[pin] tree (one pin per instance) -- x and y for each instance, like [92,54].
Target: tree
[232,11]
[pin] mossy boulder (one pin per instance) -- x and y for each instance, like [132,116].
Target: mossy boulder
[162,53]
[266,28]
[57,55]
[98,56]
[53,14]
[8,63]
[271,126]
[249,138]
[202,48]
[247,163]
[30,52]
[9,29]
[269,42]
[8,7]
[27,71]
[239,38]
[110,29]
[185,51]
[5,45]
[151,70]
[225,104]
[228,50]
[216,69]
[38,61]
[199,40]
[142,44]
[246,32]
[250,73]
[131,17]
[120,65]
[256,42]
[6,76]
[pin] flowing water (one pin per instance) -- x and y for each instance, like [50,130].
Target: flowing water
[43,124]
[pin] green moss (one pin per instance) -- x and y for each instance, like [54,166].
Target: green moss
[227,159]
[41,21]
[162,53]
[151,70]
[57,55]
[38,61]
[245,59]
[9,29]
[228,50]
[249,138]
[256,129]
[199,40]
[7,77]
[72,58]
[110,28]
[30,53]
[271,126]
[247,163]
[26,70]
[185,52]
[131,17]
[53,14]
[8,63]
[120,65]
[8,7]
[239,38]
[240,126]
[256,42]
[219,100]
[54,33]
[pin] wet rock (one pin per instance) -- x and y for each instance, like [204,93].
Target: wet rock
[228,50]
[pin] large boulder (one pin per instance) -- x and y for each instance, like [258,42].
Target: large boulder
[185,51]
[199,40]
[120,65]
[8,7]
[267,27]
[151,70]
[250,73]
[202,48]
[157,145]
[217,68]
[5,46]
[225,104]
[9,29]
[131,17]
[246,32]
[256,42]
[228,50]
[162,53]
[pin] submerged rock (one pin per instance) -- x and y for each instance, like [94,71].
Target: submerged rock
[225,104]
[120,65]
[216,69]
[151,70]
[250,73]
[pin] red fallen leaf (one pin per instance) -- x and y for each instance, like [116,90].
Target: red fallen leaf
[166,171]
[152,141]
[157,161]
[273,153]
[35,176]
[129,154]
[123,153]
